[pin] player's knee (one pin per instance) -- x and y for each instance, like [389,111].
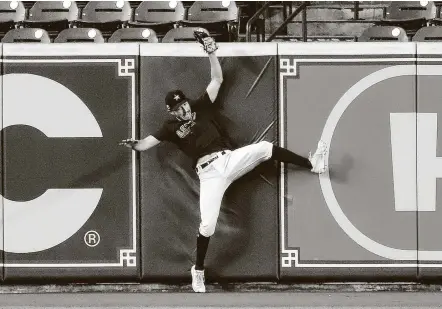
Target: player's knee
[207,230]
[266,144]
[267,148]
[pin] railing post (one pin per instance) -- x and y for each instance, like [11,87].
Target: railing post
[356,14]
[284,14]
[304,24]
[263,30]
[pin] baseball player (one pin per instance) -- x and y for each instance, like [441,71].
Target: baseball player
[194,131]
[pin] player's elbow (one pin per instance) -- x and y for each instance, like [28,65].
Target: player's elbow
[218,79]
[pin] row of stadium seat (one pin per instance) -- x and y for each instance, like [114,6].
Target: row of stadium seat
[93,35]
[392,33]
[411,15]
[158,18]
[219,17]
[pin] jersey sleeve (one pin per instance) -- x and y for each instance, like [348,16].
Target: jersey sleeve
[164,133]
[202,103]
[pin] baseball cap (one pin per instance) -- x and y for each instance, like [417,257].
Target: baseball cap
[174,98]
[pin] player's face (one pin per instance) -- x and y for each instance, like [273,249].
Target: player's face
[183,112]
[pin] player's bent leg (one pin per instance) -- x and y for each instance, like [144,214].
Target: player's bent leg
[211,195]
[244,159]
[207,228]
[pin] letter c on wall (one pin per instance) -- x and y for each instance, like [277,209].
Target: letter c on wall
[53,217]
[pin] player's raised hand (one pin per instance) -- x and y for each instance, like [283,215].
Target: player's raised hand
[207,42]
[129,143]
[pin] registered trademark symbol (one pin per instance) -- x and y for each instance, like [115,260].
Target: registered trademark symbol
[91,238]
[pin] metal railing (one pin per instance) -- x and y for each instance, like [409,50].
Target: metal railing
[255,17]
[355,6]
[302,8]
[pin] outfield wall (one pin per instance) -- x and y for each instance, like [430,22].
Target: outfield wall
[77,207]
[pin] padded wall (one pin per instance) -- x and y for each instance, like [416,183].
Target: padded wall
[429,141]
[66,182]
[349,223]
[2,167]
[69,207]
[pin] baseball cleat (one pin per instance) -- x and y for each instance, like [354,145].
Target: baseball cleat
[198,280]
[318,158]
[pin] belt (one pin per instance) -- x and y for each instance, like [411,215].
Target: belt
[205,164]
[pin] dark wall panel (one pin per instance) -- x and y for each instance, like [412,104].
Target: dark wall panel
[244,246]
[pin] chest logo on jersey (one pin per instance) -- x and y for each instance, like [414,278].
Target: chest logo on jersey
[185,129]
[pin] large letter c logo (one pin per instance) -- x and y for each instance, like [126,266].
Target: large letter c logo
[56,215]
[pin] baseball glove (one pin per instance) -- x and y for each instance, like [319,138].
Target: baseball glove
[208,43]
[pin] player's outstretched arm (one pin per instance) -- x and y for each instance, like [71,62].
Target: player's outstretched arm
[216,74]
[210,47]
[140,145]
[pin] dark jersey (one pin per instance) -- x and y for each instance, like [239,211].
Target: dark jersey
[199,136]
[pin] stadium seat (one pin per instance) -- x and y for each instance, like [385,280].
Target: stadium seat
[179,35]
[26,35]
[53,16]
[80,35]
[428,34]
[382,34]
[12,13]
[437,21]
[134,35]
[160,16]
[220,20]
[107,16]
[409,15]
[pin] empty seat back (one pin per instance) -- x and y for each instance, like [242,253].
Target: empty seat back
[383,33]
[212,11]
[26,35]
[411,10]
[80,35]
[159,11]
[134,35]
[428,34]
[53,11]
[182,35]
[106,11]
[12,11]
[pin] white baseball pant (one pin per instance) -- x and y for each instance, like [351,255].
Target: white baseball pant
[218,175]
